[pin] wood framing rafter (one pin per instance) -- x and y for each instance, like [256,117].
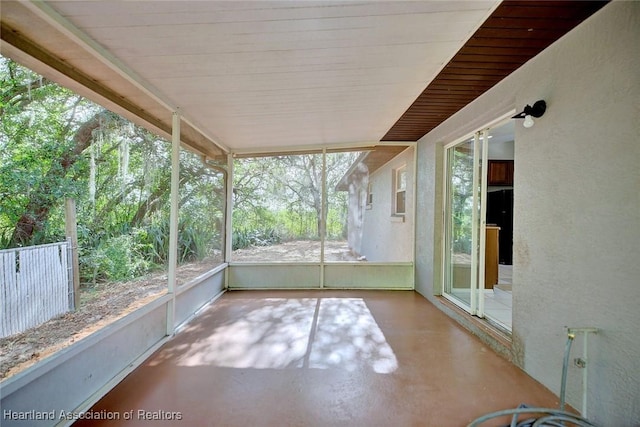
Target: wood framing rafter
[19,41]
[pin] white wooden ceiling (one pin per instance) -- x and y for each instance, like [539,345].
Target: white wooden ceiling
[266,75]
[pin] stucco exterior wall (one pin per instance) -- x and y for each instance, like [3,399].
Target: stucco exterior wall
[428,242]
[357,201]
[576,209]
[386,238]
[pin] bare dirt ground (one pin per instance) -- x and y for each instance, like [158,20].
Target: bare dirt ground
[107,302]
[99,306]
[295,251]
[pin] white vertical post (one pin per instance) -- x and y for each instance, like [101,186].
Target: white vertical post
[585,371]
[414,211]
[445,282]
[585,362]
[173,221]
[323,220]
[228,242]
[483,221]
[473,286]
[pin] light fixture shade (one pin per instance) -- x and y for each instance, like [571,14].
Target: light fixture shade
[528,121]
[538,109]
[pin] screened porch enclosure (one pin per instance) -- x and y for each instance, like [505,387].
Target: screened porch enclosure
[216,210]
[312,119]
[290,225]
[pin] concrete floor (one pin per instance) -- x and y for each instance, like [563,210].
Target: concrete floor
[321,358]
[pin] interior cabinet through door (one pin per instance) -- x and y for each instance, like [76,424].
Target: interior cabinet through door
[500,172]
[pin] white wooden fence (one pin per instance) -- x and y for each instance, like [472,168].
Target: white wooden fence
[35,285]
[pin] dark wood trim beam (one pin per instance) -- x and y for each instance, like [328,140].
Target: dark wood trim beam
[514,33]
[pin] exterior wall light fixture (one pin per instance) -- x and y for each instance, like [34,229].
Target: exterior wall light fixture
[529,112]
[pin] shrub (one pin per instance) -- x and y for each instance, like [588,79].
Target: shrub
[244,238]
[194,242]
[119,258]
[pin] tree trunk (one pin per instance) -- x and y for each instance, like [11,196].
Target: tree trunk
[40,203]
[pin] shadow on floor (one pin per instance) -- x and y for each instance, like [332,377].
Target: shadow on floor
[321,358]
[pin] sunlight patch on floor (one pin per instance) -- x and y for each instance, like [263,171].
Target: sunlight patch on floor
[316,333]
[348,337]
[275,336]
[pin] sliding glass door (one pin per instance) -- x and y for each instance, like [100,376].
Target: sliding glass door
[464,224]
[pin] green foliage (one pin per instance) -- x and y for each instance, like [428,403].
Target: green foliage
[55,144]
[36,132]
[194,241]
[5,238]
[244,238]
[284,193]
[118,258]
[461,168]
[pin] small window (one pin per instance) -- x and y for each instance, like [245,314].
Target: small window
[369,197]
[400,187]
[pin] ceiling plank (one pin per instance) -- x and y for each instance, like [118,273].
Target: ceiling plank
[514,33]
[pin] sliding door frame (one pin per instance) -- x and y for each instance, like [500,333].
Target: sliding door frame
[479,209]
